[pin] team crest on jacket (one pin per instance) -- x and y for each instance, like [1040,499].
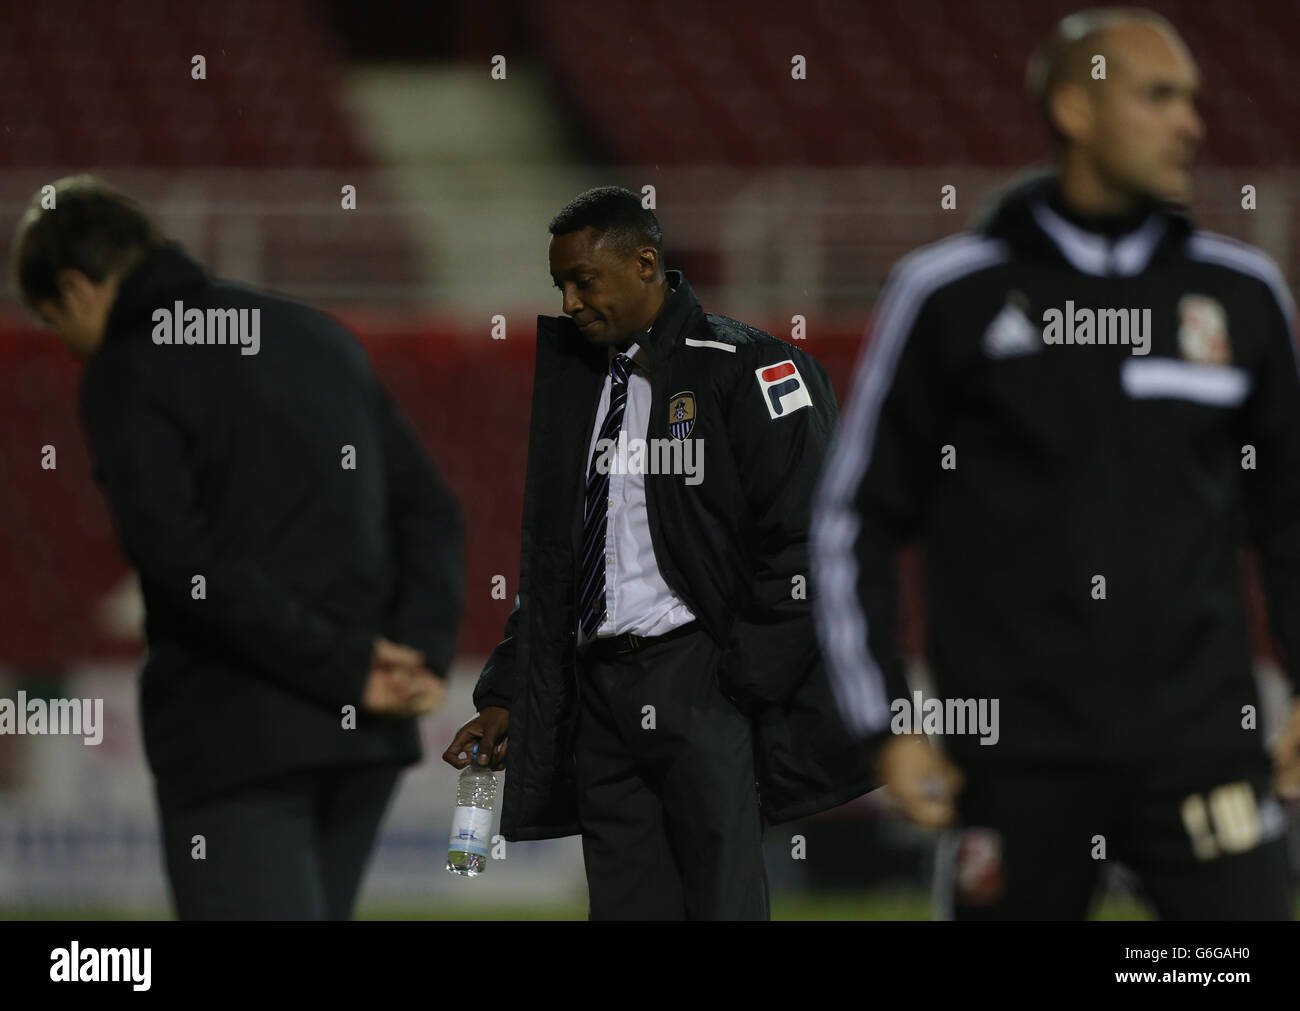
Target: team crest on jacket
[784,390]
[681,414]
[1203,330]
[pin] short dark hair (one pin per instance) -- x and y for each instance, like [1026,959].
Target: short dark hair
[1066,56]
[91,228]
[614,212]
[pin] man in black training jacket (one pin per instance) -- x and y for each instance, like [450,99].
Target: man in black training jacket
[1083,409]
[300,560]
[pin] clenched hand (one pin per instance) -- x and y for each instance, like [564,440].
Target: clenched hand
[923,783]
[399,683]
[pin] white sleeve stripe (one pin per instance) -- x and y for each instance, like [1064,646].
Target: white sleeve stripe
[710,344]
[856,679]
[1222,251]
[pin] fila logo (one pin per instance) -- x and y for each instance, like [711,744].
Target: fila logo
[783,388]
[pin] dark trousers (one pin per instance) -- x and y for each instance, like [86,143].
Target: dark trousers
[290,848]
[666,795]
[1202,847]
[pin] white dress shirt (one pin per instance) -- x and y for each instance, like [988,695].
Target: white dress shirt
[637,599]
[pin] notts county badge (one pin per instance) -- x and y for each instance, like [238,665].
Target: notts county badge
[1203,330]
[681,415]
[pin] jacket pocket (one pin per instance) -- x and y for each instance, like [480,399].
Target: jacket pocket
[731,687]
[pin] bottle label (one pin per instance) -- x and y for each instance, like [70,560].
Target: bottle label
[471,829]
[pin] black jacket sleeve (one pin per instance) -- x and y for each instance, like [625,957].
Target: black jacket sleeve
[496,684]
[428,544]
[1273,488]
[778,458]
[870,500]
[141,451]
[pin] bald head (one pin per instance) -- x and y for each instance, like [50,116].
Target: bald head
[1117,88]
[1068,57]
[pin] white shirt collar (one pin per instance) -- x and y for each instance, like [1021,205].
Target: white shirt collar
[1095,254]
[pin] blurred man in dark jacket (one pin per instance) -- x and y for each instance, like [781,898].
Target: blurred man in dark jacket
[300,560]
[1082,494]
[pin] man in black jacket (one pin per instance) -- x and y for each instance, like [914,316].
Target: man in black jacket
[1080,408]
[659,681]
[300,560]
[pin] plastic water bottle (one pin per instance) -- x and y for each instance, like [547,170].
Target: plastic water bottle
[471,826]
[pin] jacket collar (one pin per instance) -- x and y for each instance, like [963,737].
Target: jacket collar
[1092,253]
[162,274]
[680,312]
[677,316]
[1029,215]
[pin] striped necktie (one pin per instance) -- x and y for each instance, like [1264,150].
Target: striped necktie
[591,601]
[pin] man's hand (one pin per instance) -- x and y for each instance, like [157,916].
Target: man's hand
[488,729]
[920,779]
[1286,757]
[399,684]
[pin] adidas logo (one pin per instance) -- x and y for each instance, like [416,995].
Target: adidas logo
[1011,333]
